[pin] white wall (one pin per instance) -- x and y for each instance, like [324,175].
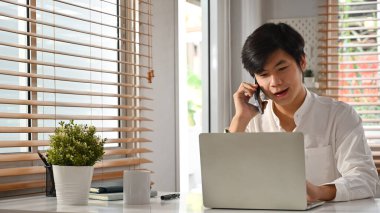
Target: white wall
[164,93]
[247,15]
[276,9]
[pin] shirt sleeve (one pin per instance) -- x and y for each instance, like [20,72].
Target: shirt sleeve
[359,178]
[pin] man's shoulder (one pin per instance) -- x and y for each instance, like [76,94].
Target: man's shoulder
[331,103]
[334,107]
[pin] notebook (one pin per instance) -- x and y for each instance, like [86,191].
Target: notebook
[113,196]
[253,171]
[106,196]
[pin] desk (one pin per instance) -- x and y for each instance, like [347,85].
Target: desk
[189,203]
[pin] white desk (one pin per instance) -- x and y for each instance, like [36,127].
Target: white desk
[190,203]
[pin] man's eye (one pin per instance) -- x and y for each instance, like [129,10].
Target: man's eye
[283,68]
[263,75]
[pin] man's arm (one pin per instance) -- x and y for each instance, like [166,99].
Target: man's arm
[359,178]
[238,124]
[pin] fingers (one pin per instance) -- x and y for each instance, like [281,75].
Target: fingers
[241,100]
[246,89]
[312,192]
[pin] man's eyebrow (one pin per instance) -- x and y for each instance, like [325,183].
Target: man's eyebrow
[282,61]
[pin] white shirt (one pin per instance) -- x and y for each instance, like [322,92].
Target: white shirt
[336,150]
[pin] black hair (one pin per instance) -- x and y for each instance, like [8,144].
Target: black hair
[267,39]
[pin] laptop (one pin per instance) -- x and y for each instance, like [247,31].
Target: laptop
[254,171]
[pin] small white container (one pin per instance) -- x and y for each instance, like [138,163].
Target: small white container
[136,187]
[72,184]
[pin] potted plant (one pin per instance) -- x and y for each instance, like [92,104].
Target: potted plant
[74,149]
[308,78]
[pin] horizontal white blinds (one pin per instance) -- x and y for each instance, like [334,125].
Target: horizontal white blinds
[85,61]
[349,60]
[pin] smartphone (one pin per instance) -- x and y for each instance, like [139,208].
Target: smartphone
[256,100]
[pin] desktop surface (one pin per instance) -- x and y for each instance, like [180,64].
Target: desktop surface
[187,203]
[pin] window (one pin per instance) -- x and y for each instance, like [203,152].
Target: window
[349,60]
[192,81]
[61,60]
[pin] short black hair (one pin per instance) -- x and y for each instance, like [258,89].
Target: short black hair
[267,39]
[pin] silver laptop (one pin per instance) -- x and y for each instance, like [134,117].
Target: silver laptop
[253,171]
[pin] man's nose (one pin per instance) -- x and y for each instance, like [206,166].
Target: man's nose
[275,80]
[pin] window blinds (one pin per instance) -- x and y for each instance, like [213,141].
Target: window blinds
[84,60]
[349,60]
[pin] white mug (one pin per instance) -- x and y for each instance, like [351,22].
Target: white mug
[136,187]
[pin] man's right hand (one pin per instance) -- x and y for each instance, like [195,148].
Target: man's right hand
[244,111]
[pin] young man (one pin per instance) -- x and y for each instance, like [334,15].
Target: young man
[339,164]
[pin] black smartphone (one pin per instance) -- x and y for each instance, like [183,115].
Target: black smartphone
[256,100]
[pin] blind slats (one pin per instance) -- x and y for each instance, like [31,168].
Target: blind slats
[35,35]
[67,54]
[355,95]
[122,162]
[103,164]
[22,185]
[5,129]
[34,156]
[347,21]
[68,104]
[349,12]
[371,128]
[350,70]
[348,29]
[68,66]
[70,16]
[349,4]
[353,88]
[72,92]
[76,30]
[69,117]
[350,79]
[347,46]
[27,143]
[349,54]
[103,12]
[18,171]
[67,60]
[335,38]
[348,62]
[51,77]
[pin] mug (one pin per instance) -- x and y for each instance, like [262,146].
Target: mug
[136,187]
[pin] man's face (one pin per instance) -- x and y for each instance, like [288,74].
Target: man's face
[281,79]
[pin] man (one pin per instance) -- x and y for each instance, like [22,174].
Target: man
[339,164]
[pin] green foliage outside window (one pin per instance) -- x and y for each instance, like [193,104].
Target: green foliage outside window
[194,84]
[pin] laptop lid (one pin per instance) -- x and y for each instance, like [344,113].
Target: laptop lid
[253,170]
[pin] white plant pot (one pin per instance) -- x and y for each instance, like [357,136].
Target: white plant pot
[72,184]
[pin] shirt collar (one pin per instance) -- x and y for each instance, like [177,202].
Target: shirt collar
[307,103]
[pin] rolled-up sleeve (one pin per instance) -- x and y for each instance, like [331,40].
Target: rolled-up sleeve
[359,178]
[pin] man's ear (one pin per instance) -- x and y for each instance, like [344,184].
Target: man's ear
[303,63]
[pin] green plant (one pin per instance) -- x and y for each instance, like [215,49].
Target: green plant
[308,73]
[75,145]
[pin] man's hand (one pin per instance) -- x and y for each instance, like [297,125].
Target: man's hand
[244,111]
[324,192]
